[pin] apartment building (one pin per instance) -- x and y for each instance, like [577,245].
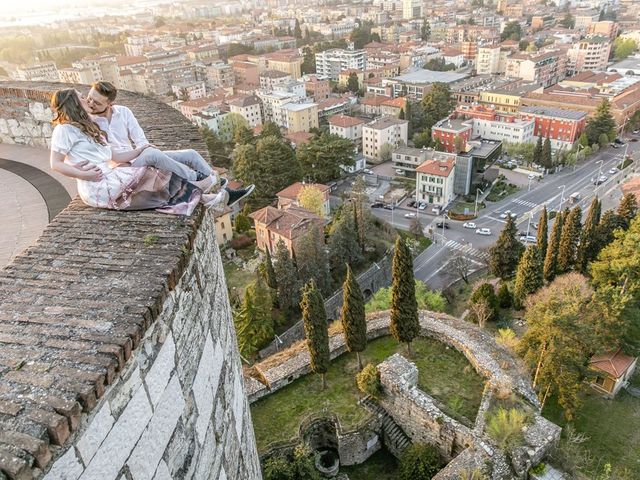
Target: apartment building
[607,28]
[492,60]
[590,53]
[317,87]
[506,100]
[46,71]
[562,127]
[434,182]
[347,127]
[269,79]
[249,107]
[219,75]
[377,134]
[192,90]
[546,68]
[584,19]
[287,61]
[488,124]
[331,62]
[408,159]
[447,131]
[411,9]
[289,196]
[299,117]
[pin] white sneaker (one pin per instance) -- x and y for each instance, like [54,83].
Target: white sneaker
[219,202]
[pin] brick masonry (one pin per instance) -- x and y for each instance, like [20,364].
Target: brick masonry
[118,357]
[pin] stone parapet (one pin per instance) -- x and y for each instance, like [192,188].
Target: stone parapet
[118,357]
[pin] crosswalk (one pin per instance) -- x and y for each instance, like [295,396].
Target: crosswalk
[466,249]
[525,203]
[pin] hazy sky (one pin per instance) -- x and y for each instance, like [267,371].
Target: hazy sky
[11,7]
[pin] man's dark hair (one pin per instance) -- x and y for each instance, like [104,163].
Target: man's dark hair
[107,89]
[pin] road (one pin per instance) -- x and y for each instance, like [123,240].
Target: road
[553,191]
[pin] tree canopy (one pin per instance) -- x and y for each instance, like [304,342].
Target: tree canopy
[601,123]
[437,104]
[323,155]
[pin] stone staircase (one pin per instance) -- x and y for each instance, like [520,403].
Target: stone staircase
[394,437]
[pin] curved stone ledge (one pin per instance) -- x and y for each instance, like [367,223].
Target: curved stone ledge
[498,366]
[117,349]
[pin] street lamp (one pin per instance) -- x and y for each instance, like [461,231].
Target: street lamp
[476,207]
[561,198]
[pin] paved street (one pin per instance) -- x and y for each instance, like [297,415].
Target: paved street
[553,190]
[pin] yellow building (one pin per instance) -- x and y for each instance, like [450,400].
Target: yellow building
[287,61]
[343,77]
[505,102]
[300,117]
[224,231]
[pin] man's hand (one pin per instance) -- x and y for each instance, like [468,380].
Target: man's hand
[89,172]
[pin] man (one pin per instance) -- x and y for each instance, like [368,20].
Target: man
[123,129]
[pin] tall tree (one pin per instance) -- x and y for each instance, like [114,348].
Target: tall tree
[343,244]
[253,320]
[547,159]
[404,307]
[485,292]
[543,233]
[353,85]
[286,279]
[537,152]
[569,240]
[588,244]
[425,30]
[269,272]
[605,232]
[270,129]
[311,198]
[312,260]
[627,209]
[506,252]
[602,122]
[354,323]
[528,276]
[322,157]
[559,339]
[512,31]
[297,31]
[316,330]
[551,259]
[308,61]
[437,104]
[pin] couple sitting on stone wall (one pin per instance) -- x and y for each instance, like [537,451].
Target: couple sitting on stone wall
[102,146]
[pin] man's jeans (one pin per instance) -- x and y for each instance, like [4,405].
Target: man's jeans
[184,163]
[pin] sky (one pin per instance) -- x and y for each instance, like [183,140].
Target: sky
[9,7]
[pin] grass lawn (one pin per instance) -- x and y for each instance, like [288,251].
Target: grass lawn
[501,190]
[460,205]
[613,428]
[379,466]
[443,372]
[237,278]
[461,299]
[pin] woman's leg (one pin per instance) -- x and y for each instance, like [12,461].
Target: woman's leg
[152,157]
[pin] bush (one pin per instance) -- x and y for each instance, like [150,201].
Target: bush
[300,467]
[485,291]
[507,338]
[242,223]
[241,241]
[504,296]
[505,427]
[538,469]
[368,381]
[427,299]
[419,462]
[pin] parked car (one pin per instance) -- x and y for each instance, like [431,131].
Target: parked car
[411,203]
[389,207]
[618,142]
[469,225]
[409,215]
[368,171]
[422,206]
[613,170]
[444,225]
[399,171]
[377,205]
[614,145]
[531,176]
[528,239]
[483,231]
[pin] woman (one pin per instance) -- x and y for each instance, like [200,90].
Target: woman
[79,149]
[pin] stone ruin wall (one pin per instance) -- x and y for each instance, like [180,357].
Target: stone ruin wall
[118,356]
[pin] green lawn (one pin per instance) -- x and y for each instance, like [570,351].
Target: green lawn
[501,190]
[237,278]
[379,466]
[613,428]
[443,372]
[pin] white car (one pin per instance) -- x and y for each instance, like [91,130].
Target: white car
[399,171]
[422,206]
[368,171]
[531,176]
[469,225]
[505,214]
[613,171]
[483,231]
[528,239]
[409,215]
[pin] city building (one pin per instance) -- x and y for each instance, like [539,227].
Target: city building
[246,73]
[590,53]
[607,28]
[46,71]
[394,107]
[372,104]
[562,127]
[584,18]
[269,79]
[219,75]
[452,133]
[411,9]
[249,107]
[331,62]
[408,159]
[506,100]
[299,117]
[347,127]
[546,68]
[287,61]
[289,196]
[416,83]
[492,60]
[224,230]
[488,124]
[274,225]
[382,135]
[434,182]
[317,87]
[189,90]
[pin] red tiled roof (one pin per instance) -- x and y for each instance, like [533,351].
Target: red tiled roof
[612,363]
[436,167]
[290,223]
[374,100]
[398,102]
[298,138]
[292,191]
[344,121]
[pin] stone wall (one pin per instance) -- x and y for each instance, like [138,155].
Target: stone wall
[118,357]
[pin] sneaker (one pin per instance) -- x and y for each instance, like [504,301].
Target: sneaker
[236,195]
[219,202]
[206,184]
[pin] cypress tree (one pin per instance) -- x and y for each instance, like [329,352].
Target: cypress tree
[609,222]
[270,274]
[588,242]
[504,296]
[313,263]
[314,318]
[344,246]
[353,319]
[569,240]
[547,159]
[506,252]
[404,307]
[543,233]
[537,152]
[627,209]
[253,320]
[287,279]
[551,259]
[528,276]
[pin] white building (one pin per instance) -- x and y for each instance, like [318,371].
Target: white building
[331,62]
[189,90]
[515,131]
[590,53]
[272,103]
[411,9]
[269,79]
[434,182]
[42,72]
[249,107]
[491,60]
[210,117]
[347,127]
[385,131]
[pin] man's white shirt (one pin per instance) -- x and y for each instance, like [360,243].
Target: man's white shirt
[123,130]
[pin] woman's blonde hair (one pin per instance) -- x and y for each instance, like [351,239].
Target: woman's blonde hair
[68,109]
